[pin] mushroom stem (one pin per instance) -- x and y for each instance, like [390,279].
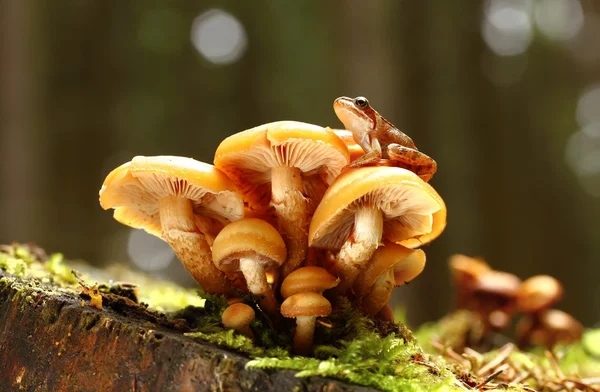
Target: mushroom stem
[258,285]
[180,232]
[380,293]
[305,330]
[291,209]
[360,246]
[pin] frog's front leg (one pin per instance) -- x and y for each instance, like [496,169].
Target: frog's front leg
[370,158]
[414,160]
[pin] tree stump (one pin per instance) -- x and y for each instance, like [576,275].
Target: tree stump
[51,341]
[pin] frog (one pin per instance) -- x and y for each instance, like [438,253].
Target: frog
[384,144]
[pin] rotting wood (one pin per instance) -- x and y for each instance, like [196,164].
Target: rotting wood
[51,342]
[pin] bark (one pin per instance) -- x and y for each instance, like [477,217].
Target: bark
[57,342]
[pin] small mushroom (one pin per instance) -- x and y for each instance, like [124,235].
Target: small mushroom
[538,293]
[238,317]
[393,265]
[386,314]
[305,307]
[304,279]
[286,165]
[548,328]
[167,196]
[251,246]
[368,204]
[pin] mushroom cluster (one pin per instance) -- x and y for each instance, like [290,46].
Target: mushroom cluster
[496,296]
[276,217]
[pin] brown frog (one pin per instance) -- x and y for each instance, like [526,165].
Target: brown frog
[383,143]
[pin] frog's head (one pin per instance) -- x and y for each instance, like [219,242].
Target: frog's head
[355,113]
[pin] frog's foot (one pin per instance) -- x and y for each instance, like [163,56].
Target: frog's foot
[413,160]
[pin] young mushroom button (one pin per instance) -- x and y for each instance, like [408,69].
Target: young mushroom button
[368,204]
[311,278]
[173,198]
[305,307]
[238,317]
[287,165]
[251,246]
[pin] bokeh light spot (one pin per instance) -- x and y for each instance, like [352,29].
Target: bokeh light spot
[219,37]
[148,252]
[559,19]
[506,27]
[582,154]
[588,106]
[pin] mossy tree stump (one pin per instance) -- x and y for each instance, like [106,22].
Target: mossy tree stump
[51,341]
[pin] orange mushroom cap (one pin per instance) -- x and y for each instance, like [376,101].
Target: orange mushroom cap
[135,188]
[354,149]
[407,203]
[304,279]
[539,292]
[247,157]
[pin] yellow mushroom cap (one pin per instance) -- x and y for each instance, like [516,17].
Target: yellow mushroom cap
[248,156]
[237,316]
[311,278]
[249,237]
[539,292]
[135,188]
[406,202]
[437,226]
[384,258]
[354,149]
[306,304]
[410,267]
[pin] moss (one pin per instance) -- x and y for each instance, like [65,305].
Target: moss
[237,342]
[349,346]
[387,363]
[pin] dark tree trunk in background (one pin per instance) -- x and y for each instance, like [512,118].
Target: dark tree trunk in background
[19,144]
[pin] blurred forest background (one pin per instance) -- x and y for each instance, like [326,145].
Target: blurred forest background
[505,95]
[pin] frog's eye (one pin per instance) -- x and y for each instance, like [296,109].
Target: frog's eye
[361,102]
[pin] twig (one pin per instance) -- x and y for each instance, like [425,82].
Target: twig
[501,357]
[491,376]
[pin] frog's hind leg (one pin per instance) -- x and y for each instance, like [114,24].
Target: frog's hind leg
[413,160]
[369,159]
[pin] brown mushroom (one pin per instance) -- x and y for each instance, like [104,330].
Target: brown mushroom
[167,196]
[304,279]
[465,271]
[251,246]
[364,206]
[538,293]
[548,328]
[305,307]
[238,317]
[288,166]
[494,292]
